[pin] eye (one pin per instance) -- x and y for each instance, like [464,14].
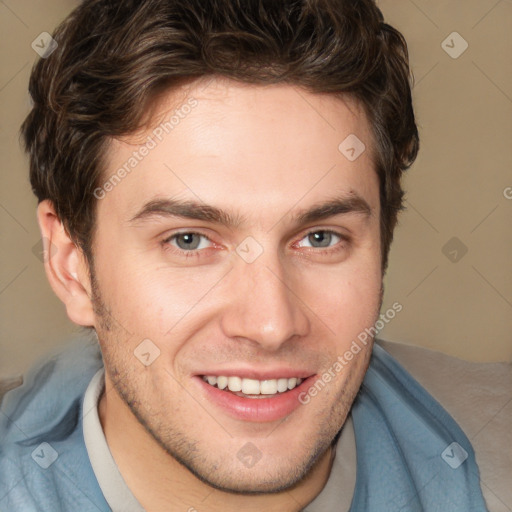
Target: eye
[322,239]
[188,241]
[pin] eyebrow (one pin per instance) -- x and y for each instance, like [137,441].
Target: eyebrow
[189,209]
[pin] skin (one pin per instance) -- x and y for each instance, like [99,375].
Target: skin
[265,153]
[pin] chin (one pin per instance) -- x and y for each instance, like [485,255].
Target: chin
[277,478]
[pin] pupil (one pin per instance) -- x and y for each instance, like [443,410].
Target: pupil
[322,237]
[188,241]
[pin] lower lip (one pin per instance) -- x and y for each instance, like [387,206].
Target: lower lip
[255,409]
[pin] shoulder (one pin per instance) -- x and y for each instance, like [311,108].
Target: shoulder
[479,397]
[50,393]
[42,454]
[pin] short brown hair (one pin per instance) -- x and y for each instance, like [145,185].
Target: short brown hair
[115,56]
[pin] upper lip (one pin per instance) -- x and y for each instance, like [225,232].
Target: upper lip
[263,374]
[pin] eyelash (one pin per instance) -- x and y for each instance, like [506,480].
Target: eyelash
[197,252]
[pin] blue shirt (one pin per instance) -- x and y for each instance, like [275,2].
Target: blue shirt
[411,455]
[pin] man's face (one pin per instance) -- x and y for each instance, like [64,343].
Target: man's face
[269,297]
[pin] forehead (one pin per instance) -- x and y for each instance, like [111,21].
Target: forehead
[245,146]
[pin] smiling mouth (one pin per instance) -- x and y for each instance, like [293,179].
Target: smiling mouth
[252,388]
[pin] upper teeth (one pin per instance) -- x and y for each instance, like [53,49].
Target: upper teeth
[252,386]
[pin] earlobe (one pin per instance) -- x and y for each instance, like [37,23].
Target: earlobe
[65,266]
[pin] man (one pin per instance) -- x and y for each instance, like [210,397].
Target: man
[218,186]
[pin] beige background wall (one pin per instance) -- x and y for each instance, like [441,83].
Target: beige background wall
[460,188]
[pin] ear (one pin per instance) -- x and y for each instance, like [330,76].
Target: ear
[65,266]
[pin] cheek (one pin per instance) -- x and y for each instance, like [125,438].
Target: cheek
[347,298]
[149,296]
[349,312]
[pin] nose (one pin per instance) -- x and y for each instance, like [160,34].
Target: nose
[264,304]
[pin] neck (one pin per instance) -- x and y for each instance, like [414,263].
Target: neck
[160,482]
